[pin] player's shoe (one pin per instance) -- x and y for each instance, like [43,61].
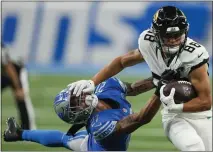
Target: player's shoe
[13,131]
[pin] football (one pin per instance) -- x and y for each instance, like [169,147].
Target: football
[184,91]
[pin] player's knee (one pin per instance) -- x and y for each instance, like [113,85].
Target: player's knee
[19,98]
[65,140]
[73,143]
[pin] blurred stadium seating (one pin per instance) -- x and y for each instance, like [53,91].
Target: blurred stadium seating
[65,41]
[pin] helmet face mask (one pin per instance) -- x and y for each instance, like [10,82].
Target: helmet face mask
[72,109]
[79,109]
[170,28]
[171,45]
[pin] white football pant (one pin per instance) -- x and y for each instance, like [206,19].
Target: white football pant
[189,134]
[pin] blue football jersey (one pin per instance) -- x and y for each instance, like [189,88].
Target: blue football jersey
[101,125]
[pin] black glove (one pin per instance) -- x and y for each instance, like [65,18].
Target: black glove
[167,77]
[160,84]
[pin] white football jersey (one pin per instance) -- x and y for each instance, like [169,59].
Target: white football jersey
[192,56]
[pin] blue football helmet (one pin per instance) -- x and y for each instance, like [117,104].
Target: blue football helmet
[72,109]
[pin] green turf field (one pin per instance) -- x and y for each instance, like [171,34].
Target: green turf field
[43,90]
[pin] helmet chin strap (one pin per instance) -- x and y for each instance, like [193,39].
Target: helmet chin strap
[169,50]
[174,50]
[168,55]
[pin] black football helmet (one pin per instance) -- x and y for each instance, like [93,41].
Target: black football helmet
[170,27]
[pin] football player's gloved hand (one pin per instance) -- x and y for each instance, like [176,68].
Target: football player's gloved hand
[166,77]
[168,101]
[85,86]
[160,84]
[169,75]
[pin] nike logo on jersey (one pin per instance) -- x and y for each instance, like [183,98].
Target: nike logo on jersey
[164,103]
[200,55]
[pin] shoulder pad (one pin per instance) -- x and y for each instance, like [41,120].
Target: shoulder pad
[193,51]
[123,86]
[145,39]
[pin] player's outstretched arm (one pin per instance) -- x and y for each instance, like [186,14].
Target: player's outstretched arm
[132,122]
[118,64]
[139,86]
[200,80]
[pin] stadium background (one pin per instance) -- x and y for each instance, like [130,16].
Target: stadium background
[66,41]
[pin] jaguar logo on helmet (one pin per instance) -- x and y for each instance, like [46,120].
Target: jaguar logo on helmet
[156,16]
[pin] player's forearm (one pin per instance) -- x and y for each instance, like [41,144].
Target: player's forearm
[132,122]
[198,105]
[139,87]
[118,64]
[150,110]
[128,125]
[108,71]
[200,81]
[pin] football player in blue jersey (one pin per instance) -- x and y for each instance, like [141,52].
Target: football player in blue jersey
[106,114]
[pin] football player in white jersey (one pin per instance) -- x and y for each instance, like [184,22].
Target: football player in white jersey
[170,54]
[14,75]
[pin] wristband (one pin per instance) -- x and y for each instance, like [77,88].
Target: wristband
[177,108]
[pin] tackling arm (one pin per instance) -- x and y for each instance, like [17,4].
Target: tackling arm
[200,80]
[132,122]
[139,87]
[118,64]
